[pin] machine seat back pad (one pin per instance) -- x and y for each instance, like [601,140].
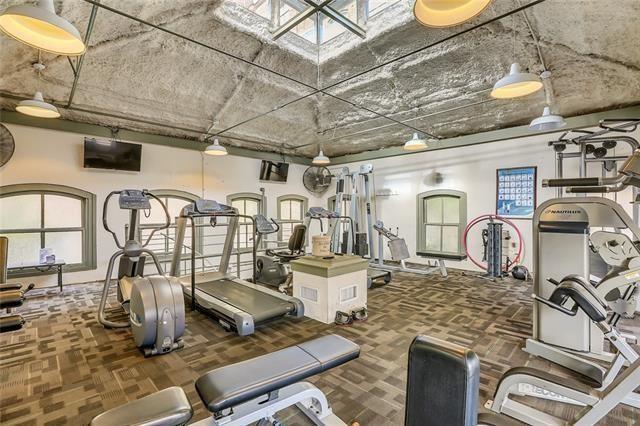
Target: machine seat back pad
[234,384]
[168,407]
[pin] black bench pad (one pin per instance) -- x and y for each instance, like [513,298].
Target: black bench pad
[11,299]
[168,407]
[234,384]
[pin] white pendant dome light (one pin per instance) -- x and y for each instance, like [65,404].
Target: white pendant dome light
[416,143]
[37,107]
[547,121]
[40,27]
[447,13]
[320,159]
[516,84]
[216,149]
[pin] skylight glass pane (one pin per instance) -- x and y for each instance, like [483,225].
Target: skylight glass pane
[259,7]
[307,28]
[331,28]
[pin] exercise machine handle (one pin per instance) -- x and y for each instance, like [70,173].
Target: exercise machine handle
[594,189]
[104,218]
[623,125]
[167,221]
[558,183]
[553,281]
[554,305]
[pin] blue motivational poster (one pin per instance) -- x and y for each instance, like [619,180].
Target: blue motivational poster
[516,192]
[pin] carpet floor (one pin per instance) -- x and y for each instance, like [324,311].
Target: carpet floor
[63,367]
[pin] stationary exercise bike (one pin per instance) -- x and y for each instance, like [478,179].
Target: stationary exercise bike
[155,304]
[274,269]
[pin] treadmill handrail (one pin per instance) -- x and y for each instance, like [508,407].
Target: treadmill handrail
[192,217]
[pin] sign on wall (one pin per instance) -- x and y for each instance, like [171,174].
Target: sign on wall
[516,192]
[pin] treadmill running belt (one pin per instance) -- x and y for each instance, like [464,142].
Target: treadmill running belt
[261,306]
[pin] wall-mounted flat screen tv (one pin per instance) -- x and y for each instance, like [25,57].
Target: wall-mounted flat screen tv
[272,171]
[112,155]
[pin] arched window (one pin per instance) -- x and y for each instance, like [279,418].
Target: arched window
[163,242]
[291,211]
[249,204]
[442,217]
[41,215]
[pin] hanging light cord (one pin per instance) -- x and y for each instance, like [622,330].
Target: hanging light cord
[548,87]
[534,37]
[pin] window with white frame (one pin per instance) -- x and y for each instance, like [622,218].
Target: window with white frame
[442,217]
[248,204]
[163,242]
[291,211]
[62,218]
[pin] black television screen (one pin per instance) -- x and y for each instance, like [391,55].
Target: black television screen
[112,155]
[272,171]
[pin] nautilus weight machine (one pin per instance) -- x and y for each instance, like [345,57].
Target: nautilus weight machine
[562,237]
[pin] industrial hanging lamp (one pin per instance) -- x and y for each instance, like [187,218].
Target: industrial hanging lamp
[416,143]
[516,84]
[40,27]
[447,13]
[547,121]
[320,159]
[37,107]
[216,149]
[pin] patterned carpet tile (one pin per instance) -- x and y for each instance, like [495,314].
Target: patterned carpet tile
[63,367]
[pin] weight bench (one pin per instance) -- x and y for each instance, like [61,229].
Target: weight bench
[249,391]
[168,407]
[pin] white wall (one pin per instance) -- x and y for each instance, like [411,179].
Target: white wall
[471,169]
[46,156]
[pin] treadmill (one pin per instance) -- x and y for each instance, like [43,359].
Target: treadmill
[236,304]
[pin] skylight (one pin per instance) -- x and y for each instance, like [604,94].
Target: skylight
[316,21]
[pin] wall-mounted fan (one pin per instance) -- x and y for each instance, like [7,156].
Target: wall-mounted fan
[317,179]
[7,145]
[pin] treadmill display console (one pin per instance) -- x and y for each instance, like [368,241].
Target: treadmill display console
[203,206]
[263,225]
[320,213]
[134,199]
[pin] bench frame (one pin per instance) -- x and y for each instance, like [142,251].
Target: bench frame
[308,398]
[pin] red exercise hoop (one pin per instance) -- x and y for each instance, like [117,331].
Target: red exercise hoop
[482,218]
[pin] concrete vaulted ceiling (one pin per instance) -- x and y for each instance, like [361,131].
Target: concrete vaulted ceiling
[137,77]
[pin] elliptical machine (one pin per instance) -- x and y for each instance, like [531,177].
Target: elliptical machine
[155,304]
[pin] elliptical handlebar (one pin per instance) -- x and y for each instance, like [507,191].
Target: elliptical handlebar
[147,194]
[167,222]
[104,218]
